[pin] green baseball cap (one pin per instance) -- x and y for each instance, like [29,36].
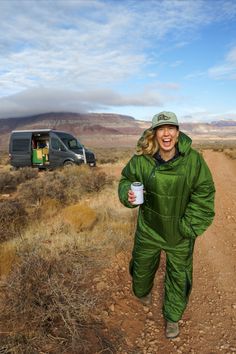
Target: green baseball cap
[163,118]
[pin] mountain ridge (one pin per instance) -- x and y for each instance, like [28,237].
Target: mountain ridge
[105,128]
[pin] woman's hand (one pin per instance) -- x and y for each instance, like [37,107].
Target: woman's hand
[131,196]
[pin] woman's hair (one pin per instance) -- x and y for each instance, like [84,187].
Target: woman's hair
[147,144]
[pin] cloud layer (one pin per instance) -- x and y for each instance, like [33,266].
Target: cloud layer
[95,54]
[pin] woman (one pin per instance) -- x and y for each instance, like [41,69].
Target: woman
[178,206]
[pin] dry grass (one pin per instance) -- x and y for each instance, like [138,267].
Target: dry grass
[93,180]
[94,223]
[49,186]
[13,219]
[7,257]
[231,153]
[4,158]
[113,155]
[25,174]
[47,301]
[49,306]
[51,301]
[49,208]
[213,144]
[9,180]
[80,216]
[66,186]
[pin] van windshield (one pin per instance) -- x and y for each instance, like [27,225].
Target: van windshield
[70,142]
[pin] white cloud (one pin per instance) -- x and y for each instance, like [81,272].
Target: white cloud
[226,70]
[34,101]
[83,44]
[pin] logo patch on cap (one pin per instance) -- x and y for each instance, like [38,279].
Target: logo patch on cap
[163,117]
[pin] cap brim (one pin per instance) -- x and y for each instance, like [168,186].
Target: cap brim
[164,123]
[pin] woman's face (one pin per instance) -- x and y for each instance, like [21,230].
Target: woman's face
[167,136]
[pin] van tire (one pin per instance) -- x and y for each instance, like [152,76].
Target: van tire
[68,163]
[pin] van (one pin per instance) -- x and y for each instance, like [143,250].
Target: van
[47,148]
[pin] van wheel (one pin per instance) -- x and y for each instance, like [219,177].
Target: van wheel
[68,163]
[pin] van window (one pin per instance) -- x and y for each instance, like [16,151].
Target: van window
[73,143]
[70,141]
[20,145]
[56,145]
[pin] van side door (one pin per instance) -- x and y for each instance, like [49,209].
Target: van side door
[20,149]
[57,151]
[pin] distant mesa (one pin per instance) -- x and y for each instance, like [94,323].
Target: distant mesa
[224,123]
[83,125]
[106,129]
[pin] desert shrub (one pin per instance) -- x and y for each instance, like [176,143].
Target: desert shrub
[48,300]
[8,182]
[25,173]
[231,153]
[218,149]
[59,185]
[34,192]
[13,218]
[84,179]
[66,186]
[93,180]
[4,158]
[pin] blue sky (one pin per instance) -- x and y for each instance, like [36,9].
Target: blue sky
[134,57]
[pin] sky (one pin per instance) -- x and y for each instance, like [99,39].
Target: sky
[132,57]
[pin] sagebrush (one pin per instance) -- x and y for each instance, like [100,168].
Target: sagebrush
[47,301]
[13,219]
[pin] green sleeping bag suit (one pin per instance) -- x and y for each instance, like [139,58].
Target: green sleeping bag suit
[178,206]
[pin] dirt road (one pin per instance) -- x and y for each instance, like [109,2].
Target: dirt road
[209,323]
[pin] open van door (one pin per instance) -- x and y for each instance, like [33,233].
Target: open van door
[20,149]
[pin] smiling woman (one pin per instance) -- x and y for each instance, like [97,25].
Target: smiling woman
[178,206]
[166,134]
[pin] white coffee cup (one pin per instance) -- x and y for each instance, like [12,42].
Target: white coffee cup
[137,188]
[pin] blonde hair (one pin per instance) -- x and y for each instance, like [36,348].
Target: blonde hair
[147,144]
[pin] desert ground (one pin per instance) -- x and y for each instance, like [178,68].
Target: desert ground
[113,320]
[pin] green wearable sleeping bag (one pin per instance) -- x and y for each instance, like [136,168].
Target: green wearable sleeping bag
[178,206]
